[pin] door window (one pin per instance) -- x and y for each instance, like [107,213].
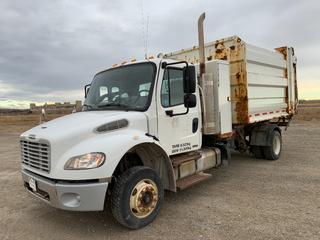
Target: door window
[172,88]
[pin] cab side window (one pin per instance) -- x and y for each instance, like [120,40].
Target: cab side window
[172,87]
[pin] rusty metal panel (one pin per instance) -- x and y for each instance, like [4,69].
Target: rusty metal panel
[263,82]
[231,49]
[192,180]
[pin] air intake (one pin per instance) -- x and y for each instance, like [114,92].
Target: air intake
[111,126]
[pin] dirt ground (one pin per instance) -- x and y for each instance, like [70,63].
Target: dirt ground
[249,199]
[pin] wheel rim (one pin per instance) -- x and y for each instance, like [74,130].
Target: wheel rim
[276,144]
[143,198]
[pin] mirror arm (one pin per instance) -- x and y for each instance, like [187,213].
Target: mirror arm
[171,114]
[165,64]
[85,90]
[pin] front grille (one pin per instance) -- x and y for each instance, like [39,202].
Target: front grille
[36,154]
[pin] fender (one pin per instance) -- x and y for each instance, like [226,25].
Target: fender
[154,156]
[115,145]
[261,134]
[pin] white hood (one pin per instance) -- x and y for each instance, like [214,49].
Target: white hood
[83,123]
[75,134]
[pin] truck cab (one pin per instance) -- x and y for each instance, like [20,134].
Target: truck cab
[158,93]
[135,116]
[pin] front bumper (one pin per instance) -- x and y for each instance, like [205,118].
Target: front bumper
[84,196]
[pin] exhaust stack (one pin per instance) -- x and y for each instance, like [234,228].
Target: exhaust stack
[201,43]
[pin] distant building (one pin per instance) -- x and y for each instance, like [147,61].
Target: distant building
[57,107]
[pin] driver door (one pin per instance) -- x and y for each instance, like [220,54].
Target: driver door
[182,133]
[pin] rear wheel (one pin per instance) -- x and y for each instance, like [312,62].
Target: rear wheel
[273,152]
[257,151]
[137,197]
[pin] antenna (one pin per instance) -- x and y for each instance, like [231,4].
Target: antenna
[145,30]
[146,46]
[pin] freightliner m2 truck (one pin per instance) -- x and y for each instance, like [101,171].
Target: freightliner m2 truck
[160,124]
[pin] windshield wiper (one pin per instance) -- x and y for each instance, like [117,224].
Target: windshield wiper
[88,106]
[103,105]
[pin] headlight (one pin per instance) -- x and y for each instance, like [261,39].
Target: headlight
[85,161]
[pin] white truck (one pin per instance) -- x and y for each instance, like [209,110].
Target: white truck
[159,124]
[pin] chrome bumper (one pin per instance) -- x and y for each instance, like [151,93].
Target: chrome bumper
[67,196]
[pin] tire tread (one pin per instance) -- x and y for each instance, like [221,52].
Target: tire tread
[268,150]
[117,193]
[257,151]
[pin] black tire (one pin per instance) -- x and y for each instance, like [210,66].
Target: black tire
[257,151]
[122,192]
[273,152]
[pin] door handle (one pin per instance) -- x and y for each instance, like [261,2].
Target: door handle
[195,124]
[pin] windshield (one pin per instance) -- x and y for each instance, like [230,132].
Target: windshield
[123,88]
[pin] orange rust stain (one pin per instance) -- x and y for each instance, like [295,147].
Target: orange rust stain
[221,52]
[241,94]
[285,74]
[241,103]
[283,51]
[238,75]
[234,52]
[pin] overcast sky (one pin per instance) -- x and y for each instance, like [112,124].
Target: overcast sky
[50,49]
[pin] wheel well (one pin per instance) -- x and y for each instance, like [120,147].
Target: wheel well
[150,155]
[129,160]
[277,128]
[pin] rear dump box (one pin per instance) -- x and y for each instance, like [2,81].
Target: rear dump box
[263,82]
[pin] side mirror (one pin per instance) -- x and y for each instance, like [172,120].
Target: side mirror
[86,90]
[190,100]
[189,79]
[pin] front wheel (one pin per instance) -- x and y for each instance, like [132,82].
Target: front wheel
[137,197]
[273,152]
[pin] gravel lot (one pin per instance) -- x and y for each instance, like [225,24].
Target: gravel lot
[250,199]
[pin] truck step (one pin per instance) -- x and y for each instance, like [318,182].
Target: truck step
[191,180]
[184,157]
